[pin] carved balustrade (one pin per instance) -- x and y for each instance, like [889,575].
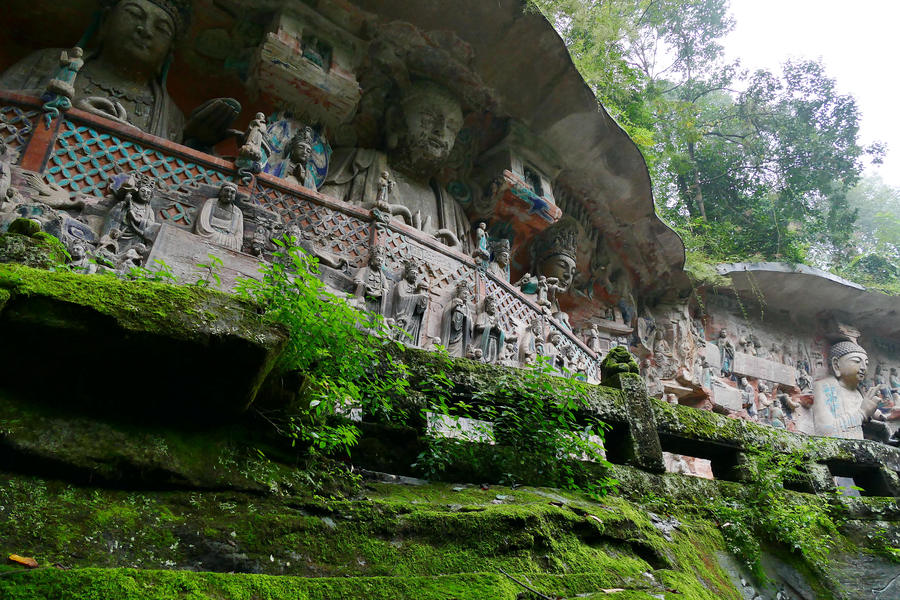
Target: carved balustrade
[83,154]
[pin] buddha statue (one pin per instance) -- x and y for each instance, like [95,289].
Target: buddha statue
[839,409]
[553,257]
[421,129]
[220,220]
[124,73]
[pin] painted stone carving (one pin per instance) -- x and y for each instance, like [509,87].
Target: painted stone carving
[592,339]
[254,148]
[481,253]
[726,352]
[300,151]
[489,327]
[456,324]
[499,266]
[220,220]
[839,409]
[132,216]
[421,129]
[747,396]
[124,74]
[6,190]
[61,89]
[372,283]
[532,342]
[554,254]
[410,300]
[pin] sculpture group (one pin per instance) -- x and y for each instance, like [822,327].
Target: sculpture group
[437,263]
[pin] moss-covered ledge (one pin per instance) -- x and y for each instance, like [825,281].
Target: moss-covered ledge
[131,346]
[710,435]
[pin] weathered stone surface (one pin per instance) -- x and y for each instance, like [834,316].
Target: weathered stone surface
[132,347]
[184,253]
[725,396]
[764,369]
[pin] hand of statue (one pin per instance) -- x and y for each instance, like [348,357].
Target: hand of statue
[208,124]
[104,107]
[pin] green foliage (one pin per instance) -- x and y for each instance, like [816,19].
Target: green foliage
[763,172]
[764,510]
[541,428]
[330,345]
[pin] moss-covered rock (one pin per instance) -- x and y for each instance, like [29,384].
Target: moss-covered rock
[23,244]
[617,361]
[128,346]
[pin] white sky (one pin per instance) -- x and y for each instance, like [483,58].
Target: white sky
[858,42]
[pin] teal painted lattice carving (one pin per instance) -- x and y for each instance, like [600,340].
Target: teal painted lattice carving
[342,234]
[85,160]
[16,126]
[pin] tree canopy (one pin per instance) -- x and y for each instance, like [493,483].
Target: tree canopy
[745,165]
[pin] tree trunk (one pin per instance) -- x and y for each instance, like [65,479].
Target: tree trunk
[698,192]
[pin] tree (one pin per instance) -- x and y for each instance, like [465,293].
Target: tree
[742,164]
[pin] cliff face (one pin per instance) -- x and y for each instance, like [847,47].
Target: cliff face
[117,494]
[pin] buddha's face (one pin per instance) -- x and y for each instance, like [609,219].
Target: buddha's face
[851,368]
[138,32]
[145,193]
[227,194]
[433,120]
[561,267]
[503,258]
[376,260]
[300,153]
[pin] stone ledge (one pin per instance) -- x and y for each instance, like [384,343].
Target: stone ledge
[129,347]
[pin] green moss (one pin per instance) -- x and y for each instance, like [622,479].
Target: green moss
[178,311]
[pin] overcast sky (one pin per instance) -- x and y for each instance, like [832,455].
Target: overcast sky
[858,42]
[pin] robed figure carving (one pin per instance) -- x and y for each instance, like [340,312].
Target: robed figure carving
[421,129]
[371,281]
[456,325]
[220,220]
[123,76]
[839,408]
[132,217]
[489,326]
[410,300]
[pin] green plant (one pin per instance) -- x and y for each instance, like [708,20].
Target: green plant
[162,273]
[211,269]
[765,510]
[332,348]
[542,427]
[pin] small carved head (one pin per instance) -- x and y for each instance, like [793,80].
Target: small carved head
[411,269]
[146,189]
[228,193]
[377,256]
[490,305]
[301,146]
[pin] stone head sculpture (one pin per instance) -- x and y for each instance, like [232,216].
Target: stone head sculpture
[138,36]
[301,146]
[500,249]
[490,305]
[411,270]
[377,257]
[424,129]
[227,193]
[554,254]
[463,291]
[849,362]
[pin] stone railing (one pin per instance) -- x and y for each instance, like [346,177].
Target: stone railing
[82,154]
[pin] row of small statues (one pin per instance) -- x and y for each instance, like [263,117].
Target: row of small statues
[484,336]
